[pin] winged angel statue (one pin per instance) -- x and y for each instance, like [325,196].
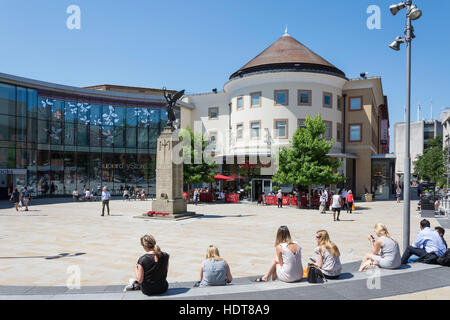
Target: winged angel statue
[171,102]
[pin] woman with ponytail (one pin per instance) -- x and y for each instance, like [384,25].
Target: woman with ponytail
[385,251]
[214,270]
[328,254]
[152,268]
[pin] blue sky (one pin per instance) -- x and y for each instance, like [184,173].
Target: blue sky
[196,45]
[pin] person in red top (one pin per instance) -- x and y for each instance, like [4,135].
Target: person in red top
[349,201]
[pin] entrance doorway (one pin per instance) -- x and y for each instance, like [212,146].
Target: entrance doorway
[260,186]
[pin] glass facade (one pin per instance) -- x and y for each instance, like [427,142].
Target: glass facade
[72,142]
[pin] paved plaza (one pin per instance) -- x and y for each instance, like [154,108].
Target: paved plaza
[40,246]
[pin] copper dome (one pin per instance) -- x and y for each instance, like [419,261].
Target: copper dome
[288,53]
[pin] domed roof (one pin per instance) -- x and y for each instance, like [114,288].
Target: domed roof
[288,53]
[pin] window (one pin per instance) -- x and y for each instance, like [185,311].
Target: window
[281,97]
[328,130]
[281,128]
[339,103]
[7,99]
[255,129]
[240,103]
[212,140]
[304,97]
[355,103]
[255,99]
[339,132]
[301,123]
[213,113]
[327,100]
[355,132]
[239,131]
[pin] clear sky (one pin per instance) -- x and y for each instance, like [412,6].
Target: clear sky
[197,44]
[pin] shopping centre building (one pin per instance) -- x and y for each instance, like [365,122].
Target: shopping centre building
[75,137]
[106,135]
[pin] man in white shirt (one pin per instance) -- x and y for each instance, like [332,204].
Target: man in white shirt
[106,196]
[280,198]
[427,241]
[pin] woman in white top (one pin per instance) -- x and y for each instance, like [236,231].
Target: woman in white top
[336,206]
[385,251]
[287,264]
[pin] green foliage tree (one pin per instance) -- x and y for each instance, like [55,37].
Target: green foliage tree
[430,166]
[305,161]
[195,168]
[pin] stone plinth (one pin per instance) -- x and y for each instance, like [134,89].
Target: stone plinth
[169,178]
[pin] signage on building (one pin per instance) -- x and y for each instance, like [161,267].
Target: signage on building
[260,164]
[384,134]
[12,171]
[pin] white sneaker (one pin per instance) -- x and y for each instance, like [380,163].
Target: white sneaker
[129,286]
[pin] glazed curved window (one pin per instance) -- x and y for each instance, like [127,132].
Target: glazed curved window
[70,111]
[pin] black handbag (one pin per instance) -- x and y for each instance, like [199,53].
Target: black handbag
[314,274]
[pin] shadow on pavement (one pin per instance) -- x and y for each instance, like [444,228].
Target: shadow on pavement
[214,216]
[59,256]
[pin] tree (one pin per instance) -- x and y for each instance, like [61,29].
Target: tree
[305,161]
[430,166]
[195,168]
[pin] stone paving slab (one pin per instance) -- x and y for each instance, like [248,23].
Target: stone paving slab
[57,236]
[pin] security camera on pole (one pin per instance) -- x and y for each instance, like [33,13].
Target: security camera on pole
[412,13]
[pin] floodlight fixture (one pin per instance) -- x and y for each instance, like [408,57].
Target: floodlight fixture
[397,7]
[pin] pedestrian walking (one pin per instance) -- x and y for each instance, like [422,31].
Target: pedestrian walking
[25,197]
[350,201]
[323,202]
[280,198]
[106,196]
[336,206]
[15,198]
[399,194]
[344,199]
[195,196]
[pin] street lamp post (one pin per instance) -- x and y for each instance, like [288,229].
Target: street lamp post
[412,13]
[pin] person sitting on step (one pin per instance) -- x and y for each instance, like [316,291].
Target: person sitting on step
[327,259]
[385,251]
[214,270]
[427,241]
[287,264]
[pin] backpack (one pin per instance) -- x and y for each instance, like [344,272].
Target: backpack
[430,258]
[445,259]
[314,274]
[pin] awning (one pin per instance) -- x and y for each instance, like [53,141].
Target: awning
[222,178]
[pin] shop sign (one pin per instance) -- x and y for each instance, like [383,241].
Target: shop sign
[384,132]
[126,166]
[260,164]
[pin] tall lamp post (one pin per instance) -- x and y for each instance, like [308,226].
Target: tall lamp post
[412,13]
